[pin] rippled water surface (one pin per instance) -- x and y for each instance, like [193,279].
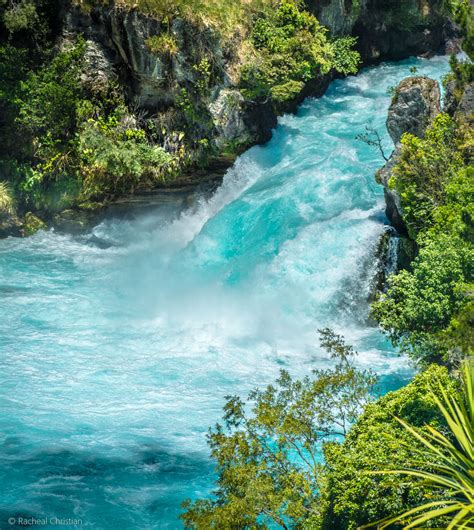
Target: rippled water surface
[117,348]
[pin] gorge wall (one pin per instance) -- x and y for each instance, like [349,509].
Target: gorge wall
[118,45]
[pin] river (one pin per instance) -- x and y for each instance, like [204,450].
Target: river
[117,350]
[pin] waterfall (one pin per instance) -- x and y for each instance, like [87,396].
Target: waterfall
[117,349]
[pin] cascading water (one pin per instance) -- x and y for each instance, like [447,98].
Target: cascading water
[116,357]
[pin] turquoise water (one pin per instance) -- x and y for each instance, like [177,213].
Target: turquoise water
[117,350]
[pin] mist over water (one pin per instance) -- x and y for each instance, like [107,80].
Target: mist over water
[118,347]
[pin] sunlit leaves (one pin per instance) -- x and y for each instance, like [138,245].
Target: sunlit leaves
[268,450]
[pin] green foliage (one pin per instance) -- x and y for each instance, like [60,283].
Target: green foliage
[424,170]
[48,98]
[223,16]
[292,48]
[350,494]
[446,461]
[287,91]
[66,144]
[345,59]
[20,16]
[203,72]
[420,304]
[115,158]
[463,14]
[462,73]
[425,308]
[7,203]
[162,44]
[267,459]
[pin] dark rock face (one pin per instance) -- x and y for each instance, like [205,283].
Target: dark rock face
[388,29]
[416,102]
[459,100]
[393,206]
[466,105]
[118,48]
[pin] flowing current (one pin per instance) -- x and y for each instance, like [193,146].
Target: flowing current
[118,347]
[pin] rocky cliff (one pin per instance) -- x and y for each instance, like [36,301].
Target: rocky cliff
[120,45]
[388,29]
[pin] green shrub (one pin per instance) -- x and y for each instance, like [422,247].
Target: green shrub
[114,160]
[425,309]
[425,168]
[287,91]
[20,15]
[345,59]
[292,48]
[162,44]
[48,98]
[351,496]
[420,304]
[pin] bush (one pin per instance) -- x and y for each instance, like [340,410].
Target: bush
[349,495]
[116,160]
[345,59]
[424,170]
[291,48]
[21,15]
[421,303]
[162,44]
[287,91]
[425,308]
[48,99]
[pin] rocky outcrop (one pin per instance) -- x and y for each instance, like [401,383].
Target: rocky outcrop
[393,206]
[466,104]
[173,72]
[32,223]
[227,112]
[416,102]
[459,100]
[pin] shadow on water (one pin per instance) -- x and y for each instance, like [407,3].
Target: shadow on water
[84,489]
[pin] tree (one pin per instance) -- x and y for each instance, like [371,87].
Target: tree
[446,462]
[350,495]
[419,306]
[372,137]
[424,307]
[268,460]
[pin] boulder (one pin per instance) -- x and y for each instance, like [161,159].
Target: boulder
[32,223]
[416,102]
[75,221]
